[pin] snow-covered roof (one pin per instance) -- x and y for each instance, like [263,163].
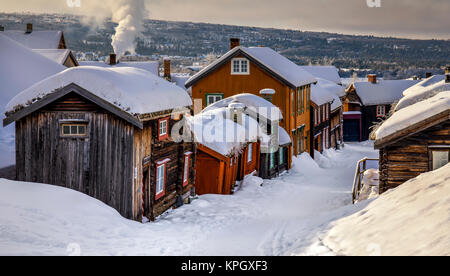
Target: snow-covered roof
[253,103]
[57,55]
[325,72]
[180,79]
[414,114]
[215,129]
[382,92]
[20,68]
[130,89]
[283,137]
[320,92]
[36,39]
[421,91]
[150,66]
[424,83]
[267,57]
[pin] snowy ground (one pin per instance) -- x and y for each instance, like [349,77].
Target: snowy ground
[286,216]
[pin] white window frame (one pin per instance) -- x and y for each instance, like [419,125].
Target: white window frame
[250,153]
[240,61]
[379,107]
[161,127]
[160,178]
[214,97]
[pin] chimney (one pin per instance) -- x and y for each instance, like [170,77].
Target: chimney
[428,75]
[372,78]
[2,29]
[112,59]
[234,42]
[29,28]
[447,74]
[167,69]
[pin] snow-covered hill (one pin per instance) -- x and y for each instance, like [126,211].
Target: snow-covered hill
[413,219]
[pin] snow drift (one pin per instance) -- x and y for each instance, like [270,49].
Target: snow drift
[413,219]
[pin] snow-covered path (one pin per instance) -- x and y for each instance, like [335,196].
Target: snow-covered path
[282,217]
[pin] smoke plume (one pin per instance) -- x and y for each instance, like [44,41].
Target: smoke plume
[129,15]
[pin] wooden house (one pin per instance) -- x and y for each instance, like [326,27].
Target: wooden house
[253,70]
[415,140]
[229,149]
[106,133]
[367,103]
[326,119]
[274,154]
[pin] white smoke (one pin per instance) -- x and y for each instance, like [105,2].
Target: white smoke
[129,15]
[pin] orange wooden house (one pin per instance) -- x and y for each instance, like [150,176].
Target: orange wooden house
[255,70]
[221,162]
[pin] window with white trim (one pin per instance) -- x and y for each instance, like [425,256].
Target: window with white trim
[73,129]
[381,111]
[160,179]
[213,98]
[163,125]
[240,66]
[250,153]
[186,169]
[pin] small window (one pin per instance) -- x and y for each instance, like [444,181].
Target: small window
[240,66]
[281,161]
[186,169]
[381,111]
[74,129]
[160,181]
[272,160]
[163,128]
[440,158]
[250,153]
[213,98]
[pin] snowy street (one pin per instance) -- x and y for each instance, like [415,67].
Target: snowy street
[285,216]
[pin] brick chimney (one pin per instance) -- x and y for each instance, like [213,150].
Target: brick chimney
[2,29]
[447,74]
[428,75]
[167,75]
[372,78]
[234,42]
[112,59]
[29,28]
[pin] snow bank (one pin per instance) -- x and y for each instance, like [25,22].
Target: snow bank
[410,220]
[131,89]
[414,114]
[422,92]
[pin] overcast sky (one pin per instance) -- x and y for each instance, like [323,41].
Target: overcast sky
[400,18]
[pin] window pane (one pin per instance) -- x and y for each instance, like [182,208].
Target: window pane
[73,130]
[440,159]
[66,130]
[81,130]
[186,168]
[236,66]
[244,66]
[250,153]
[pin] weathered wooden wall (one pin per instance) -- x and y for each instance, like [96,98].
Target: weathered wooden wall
[99,165]
[410,157]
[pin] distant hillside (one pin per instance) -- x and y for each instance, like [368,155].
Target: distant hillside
[389,57]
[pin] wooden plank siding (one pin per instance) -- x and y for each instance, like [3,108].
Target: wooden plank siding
[410,157]
[98,165]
